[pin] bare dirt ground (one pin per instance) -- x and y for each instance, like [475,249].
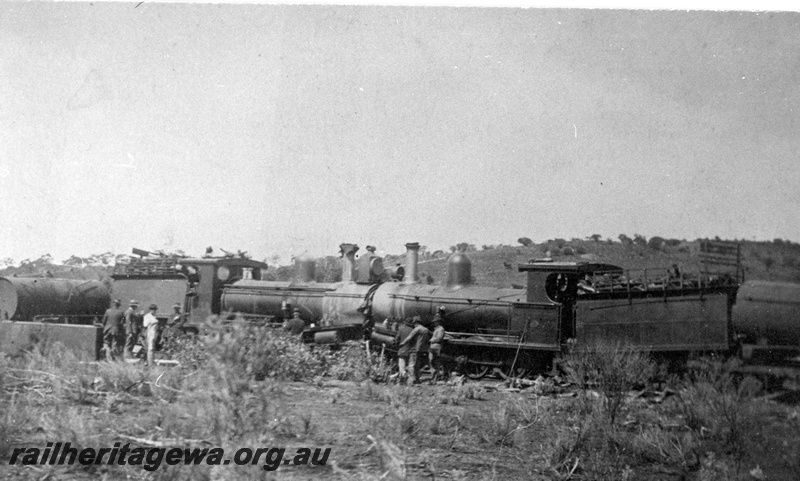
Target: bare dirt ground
[482,432]
[479,430]
[707,428]
[422,431]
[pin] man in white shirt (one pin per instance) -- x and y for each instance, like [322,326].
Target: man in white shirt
[151,329]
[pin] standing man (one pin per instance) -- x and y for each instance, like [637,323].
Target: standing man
[151,329]
[295,325]
[404,329]
[286,310]
[419,339]
[113,330]
[177,316]
[435,351]
[132,327]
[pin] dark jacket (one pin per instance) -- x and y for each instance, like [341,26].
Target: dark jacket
[419,339]
[403,330]
[133,320]
[295,326]
[113,321]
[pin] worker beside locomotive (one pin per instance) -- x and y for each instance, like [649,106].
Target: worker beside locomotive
[113,330]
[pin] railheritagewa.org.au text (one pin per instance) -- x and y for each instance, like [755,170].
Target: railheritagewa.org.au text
[271,458]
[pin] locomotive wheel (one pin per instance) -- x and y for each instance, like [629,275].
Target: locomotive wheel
[476,371]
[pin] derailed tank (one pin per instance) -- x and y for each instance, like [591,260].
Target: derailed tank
[22,298]
[768,313]
[270,298]
[469,308]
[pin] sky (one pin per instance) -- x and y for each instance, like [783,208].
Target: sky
[290,129]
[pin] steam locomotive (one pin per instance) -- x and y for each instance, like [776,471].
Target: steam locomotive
[516,331]
[520,331]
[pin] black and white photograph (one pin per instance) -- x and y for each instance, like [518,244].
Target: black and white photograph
[358,241]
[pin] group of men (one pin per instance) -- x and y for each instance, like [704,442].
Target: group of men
[416,343]
[122,329]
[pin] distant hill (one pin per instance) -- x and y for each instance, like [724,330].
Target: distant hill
[778,260]
[97,266]
[772,261]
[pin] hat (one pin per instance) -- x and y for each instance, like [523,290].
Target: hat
[134,302]
[296,309]
[153,307]
[417,320]
[440,309]
[117,301]
[177,304]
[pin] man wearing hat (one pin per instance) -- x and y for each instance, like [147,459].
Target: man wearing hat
[286,311]
[113,330]
[419,341]
[177,316]
[133,322]
[295,325]
[435,351]
[151,329]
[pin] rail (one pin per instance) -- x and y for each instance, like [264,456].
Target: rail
[454,300]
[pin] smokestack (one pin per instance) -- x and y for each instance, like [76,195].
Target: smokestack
[348,252]
[305,270]
[412,258]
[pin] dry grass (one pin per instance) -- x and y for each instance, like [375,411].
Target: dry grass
[384,431]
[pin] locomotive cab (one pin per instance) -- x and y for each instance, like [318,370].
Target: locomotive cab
[556,284]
